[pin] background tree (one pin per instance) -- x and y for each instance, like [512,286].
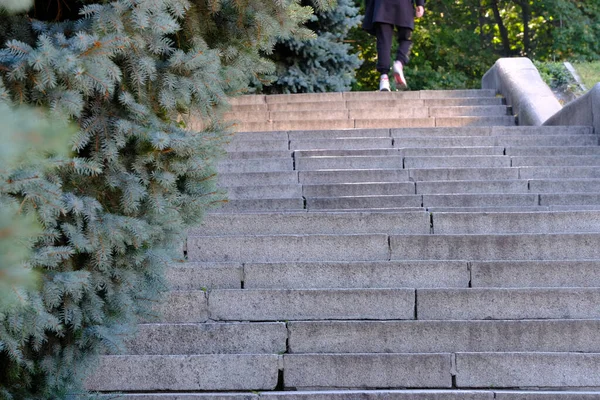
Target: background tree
[324,63]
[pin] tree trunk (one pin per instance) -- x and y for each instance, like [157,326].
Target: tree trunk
[526,14]
[503,31]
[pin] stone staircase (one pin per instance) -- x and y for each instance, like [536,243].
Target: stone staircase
[427,250]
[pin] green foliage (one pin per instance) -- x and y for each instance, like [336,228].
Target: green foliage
[323,63]
[132,75]
[456,42]
[554,74]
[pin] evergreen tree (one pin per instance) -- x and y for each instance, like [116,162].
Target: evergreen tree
[324,63]
[132,75]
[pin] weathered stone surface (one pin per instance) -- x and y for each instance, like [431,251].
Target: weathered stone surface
[457,162]
[549,140]
[185,396]
[443,141]
[296,204]
[185,373]
[541,130]
[280,305]
[339,133]
[444,94]
[248,192]
[321,114]
[480,200]
[523,370]
[565,185]
[346,153]
[398,122]
[559,172]
[304,97]
[358,202]
[552,151]
[389,113]
[492,303]
[349,162]
[355,175]
[182,306]
[356,275]
[475,121]
[582,111]
[359,189]
[196,276]
[209,338]
[535,274]
[496,247]
[258,145]
[258,165]
[367,370]
[451,151]
[307,223]
[532,161]
[258,178]
[443,336]
[548,199]
[442,132]
[537,222]
[341,143]
[370,247]
[383,395]
[479,111]
[552,395]
[463,174]
[472,186]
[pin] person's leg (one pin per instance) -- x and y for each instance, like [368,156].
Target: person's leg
[385,35]
[404,45]
[402,54]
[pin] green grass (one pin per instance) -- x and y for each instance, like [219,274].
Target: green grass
[589,73]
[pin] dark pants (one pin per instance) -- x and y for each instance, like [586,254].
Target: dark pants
[385,34]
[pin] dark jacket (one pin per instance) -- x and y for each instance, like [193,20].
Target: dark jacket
[394,12]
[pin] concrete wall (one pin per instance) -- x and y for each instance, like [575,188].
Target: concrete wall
[583,111]
[519,81]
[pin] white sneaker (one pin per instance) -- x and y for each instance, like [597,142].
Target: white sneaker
[399,74]
[384,83]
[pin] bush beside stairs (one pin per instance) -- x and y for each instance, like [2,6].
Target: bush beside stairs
[384,246]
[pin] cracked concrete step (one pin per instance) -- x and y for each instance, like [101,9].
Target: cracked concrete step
[358,189]
[258,178]
[501,223]
[363,202]
[443,336]
[508,303]
[528,370]
[515,274]
[534,161]
[367,371]
[209,338]
[256,165]
[381,274]
[496,247]
[186,372]
[311,223]
[268,248]
[311,304]
[353,176]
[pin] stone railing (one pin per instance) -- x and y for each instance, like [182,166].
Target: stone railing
[519,81]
